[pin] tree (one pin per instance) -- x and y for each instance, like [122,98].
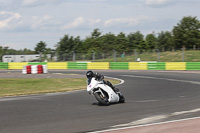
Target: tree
[96,33]
[187,32]
[165,40]
[108,42]
[135,39]
[67,45]
[121,43]
[93,42]
[40,47]
[27,51]
[151,41]
[3,51]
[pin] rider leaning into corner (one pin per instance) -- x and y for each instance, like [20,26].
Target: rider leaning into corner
[97,76]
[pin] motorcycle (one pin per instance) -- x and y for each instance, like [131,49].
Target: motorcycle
[103,93]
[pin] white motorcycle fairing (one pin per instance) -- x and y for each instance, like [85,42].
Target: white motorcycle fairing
[95,86]
[112,96]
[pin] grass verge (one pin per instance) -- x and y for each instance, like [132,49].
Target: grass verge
[15,87]
[168,56]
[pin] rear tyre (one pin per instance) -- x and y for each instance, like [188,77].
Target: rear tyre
[102,99]
[121,98]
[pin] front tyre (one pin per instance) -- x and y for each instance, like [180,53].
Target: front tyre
[102,99]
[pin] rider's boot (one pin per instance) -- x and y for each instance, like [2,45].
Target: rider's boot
[116,90]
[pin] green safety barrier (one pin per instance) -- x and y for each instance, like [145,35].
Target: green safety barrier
[192,65]
[75,65]
[108,65]
[3,65]
[119,65]
[37,63]
[156,66]
[98,65]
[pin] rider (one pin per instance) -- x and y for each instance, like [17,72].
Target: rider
[97,76]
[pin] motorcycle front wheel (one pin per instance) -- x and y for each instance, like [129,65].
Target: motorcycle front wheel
[102,99]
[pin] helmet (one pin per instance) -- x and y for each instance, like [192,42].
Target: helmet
[89,73]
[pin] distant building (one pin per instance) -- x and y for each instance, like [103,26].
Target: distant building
[23,58]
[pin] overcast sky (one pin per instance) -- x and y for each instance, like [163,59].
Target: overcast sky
[24,23]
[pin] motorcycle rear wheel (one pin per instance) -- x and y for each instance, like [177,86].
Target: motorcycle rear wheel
[121,98]
[102,99]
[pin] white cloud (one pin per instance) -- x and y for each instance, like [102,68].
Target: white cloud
[158,3]
[94,21]
[10,19]
[15,21]
[41,21]
[81,21]
[130,21]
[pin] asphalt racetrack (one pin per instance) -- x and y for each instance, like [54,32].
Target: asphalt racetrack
[151,97]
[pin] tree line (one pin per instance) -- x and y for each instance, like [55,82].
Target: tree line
[185,34]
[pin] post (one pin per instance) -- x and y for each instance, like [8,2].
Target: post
[93,55]
[114,55]
[158,55]
[163,49]
[24,56]
[102,55]
[40,56]
[135,52]
[183,50]
[74,56]
[194,47]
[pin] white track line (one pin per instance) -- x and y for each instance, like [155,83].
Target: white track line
[146,125]
[175,80]
[121,80]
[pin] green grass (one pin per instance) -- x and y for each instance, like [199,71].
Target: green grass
[169,56]
[14,87]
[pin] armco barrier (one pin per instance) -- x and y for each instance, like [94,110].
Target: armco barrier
[119,65]
[57,65]
[16,65]
[98,65]
[175,66]
[138,66]
[156,66]
[77,65]
[3,65]
[192,65]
